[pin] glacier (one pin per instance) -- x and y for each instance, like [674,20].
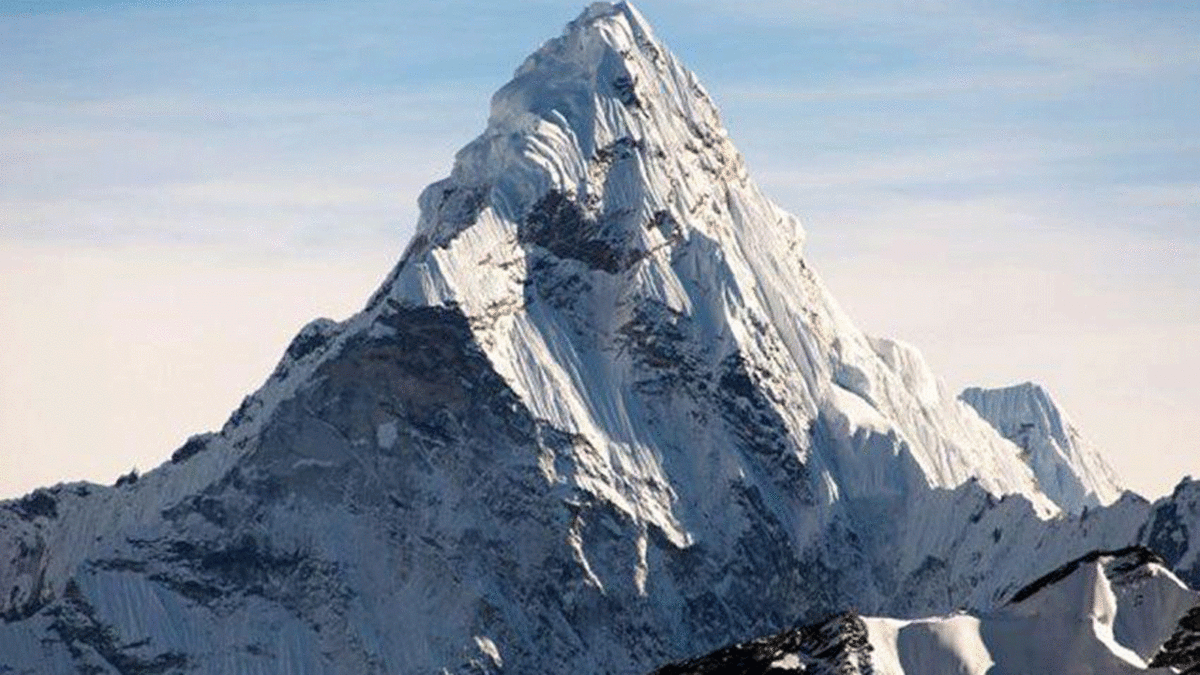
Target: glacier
[602,415]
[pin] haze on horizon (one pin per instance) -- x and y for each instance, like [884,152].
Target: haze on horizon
[1011,187]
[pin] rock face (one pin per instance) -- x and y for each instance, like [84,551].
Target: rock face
[1172,529]
[1067,467]
[839,644]
[1107,613]
[602,415]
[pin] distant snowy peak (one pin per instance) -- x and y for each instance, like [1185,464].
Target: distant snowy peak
[1107,613]
[1067,466]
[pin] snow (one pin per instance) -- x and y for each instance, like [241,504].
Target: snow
[737,259]
[1142,602]
[1065,627]
[386,434]
[489,649]
[602,414]
[1068,468]
[787,662]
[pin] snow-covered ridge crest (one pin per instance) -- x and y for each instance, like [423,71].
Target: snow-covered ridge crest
[1107,613]
[1068,467]
[605,92]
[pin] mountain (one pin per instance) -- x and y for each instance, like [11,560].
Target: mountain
[1066,465]
[1107,613]
[1172,527]
[602,415]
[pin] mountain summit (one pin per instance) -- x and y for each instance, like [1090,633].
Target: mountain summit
[601,416]
[603,235]
[1066,465]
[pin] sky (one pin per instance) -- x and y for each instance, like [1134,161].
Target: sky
[1014,187]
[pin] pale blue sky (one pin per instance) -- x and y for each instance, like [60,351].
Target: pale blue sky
[1012,186]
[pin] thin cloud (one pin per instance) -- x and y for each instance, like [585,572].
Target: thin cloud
[394,106]
[911,88]
[170,168]
[1170,195]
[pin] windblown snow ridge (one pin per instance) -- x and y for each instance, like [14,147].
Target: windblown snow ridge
[1067,467]
[1138,555]
[1106,613]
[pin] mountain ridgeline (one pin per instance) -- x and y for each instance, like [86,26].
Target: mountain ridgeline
[602,416]
[1107,613]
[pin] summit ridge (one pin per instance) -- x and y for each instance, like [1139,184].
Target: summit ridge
[1065,463]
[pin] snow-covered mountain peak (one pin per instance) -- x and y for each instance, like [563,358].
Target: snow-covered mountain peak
[1027,398]
[602,123]
[1068,467]
[603,233]
[601,415]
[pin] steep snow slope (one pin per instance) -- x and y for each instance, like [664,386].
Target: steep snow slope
[612,254]
[1067,467]
[1104,614]
[600,416]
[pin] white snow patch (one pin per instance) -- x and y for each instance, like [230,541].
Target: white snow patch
[489,649]
[787,662]
[310,463]
[386,434]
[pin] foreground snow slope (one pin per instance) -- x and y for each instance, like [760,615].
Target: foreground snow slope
[601,415]
[1108,613]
